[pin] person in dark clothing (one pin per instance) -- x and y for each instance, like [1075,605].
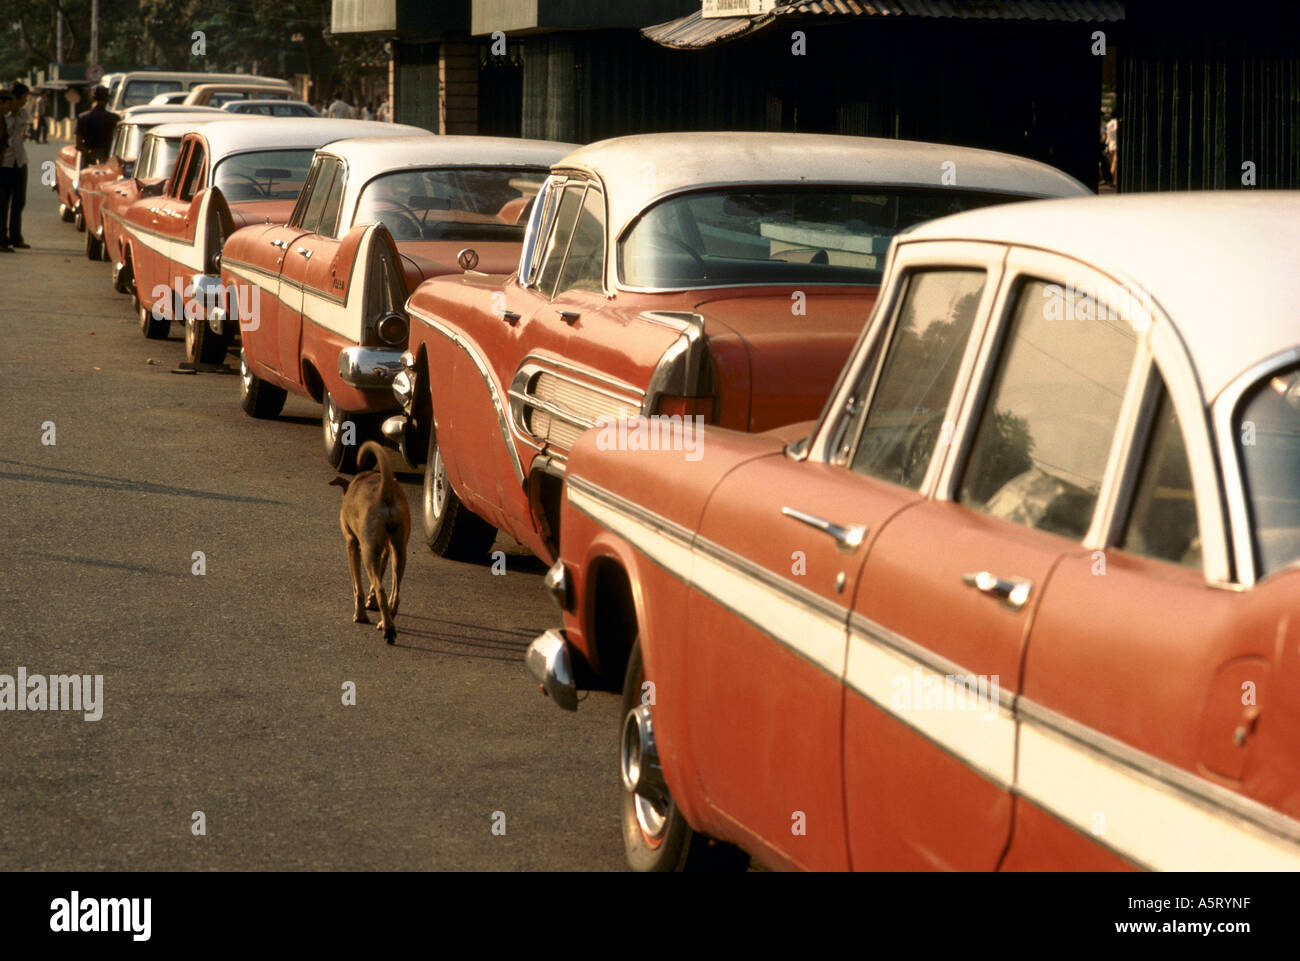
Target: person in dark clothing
[13,167]
[95,129]
[6,191]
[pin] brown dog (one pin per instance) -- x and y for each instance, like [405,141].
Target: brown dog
[376,524]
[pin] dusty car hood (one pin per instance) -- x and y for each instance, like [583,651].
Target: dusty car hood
[794,358]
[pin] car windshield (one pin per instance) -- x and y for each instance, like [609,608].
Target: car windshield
[1268,428]
[263,175]
[452,203]
[816,235]
[142,91]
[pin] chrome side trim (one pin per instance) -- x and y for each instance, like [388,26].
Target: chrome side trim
[684,369]
[486,373]
[1205,793]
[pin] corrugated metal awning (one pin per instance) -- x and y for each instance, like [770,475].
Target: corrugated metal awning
[694,31]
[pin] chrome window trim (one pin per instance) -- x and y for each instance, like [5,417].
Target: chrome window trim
[908,260]
[1221,415]
[539,223]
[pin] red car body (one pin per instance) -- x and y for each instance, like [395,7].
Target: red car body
[327,279]
[171,243]
[862,655]
[746,325]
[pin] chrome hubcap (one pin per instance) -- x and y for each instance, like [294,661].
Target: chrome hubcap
[652,806]
[245,375]
[332,425]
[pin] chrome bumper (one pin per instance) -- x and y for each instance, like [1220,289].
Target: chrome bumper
[369,367]
[548,660]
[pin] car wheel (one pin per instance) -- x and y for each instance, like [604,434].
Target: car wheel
[450,528]
[79,218]
[66,214]
[202,346]
[334,419]
[94,247]
[123,282]
[256,396]
[151,327]
[656,836]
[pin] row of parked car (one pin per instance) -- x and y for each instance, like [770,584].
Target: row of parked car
[984,558]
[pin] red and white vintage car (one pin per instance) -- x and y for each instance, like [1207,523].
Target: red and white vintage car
[376,217]
[230,173]
[153,168]
[1024,598]
[724,275]
[98,181]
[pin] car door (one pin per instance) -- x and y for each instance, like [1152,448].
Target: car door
[778,563]
[307,288]
[176,222]
[951,587]
[1148,676]
[151,237]
[278,302]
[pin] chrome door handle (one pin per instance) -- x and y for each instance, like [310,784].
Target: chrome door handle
[1012,591]
[278,243]
[847,539]
[304,251]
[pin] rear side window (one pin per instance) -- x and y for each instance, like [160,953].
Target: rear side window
[905,421]
[1046,430]
[330,212]
[193,179]
[1162,523]
[570,206]
[311,219]
[583,268]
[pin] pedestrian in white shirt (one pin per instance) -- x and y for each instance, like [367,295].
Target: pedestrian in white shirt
[339,109]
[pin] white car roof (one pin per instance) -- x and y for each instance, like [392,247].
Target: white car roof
[368,157]
[1224,266]
[236,134]
[639,170]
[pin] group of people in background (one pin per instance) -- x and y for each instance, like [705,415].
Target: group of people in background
[341,109]
[20,122]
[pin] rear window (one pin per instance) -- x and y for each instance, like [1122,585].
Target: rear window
[452,203]
[778,235]
[263,174]
[142,91]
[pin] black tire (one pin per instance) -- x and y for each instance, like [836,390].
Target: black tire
[670,844]
[256,396]
[202,346]
[67,214]
[450,528]
[94,247]
[79,218]
[341,456]
[151,327]
[124,282]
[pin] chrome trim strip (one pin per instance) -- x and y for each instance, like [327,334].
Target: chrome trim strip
[571,368]
[554,410]
[486,373]
[1212,797]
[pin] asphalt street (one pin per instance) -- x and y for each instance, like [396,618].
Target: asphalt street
[223,692]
